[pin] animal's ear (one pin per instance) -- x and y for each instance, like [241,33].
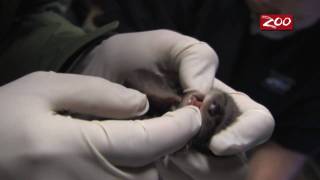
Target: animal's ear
[160,95]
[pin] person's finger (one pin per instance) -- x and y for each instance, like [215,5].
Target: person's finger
[139,142]
[197,66]
[254,125]
[106,146]
[88,95]
[195,61]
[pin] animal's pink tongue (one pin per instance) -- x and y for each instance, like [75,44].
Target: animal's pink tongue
[195,102]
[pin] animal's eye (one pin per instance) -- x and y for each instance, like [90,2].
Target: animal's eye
[213,109]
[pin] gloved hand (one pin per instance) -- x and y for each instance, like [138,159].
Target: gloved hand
[165,53]
[253,127]
[168,53]
[39,143]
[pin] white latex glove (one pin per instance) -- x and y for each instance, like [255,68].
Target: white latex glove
[38,143]
[166,53]
[254,125]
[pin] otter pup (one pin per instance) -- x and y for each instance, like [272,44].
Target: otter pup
[218,110]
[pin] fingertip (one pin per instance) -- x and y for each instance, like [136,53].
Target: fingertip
[265,125]
[143,107]
[137,101]
[269,119]
[186,113]
[199,90]
[192,112]
[224,145]
[185,118]
[216,146]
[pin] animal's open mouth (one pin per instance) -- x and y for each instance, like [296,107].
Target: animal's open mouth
[195,101]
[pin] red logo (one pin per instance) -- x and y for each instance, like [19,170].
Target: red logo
[276,22]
